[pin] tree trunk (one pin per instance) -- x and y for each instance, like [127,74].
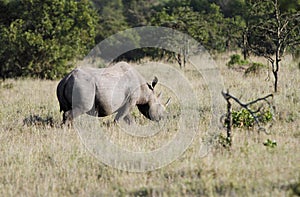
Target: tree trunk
[228,121]
[275,73]
[245,45]
[278,45]
[275,69]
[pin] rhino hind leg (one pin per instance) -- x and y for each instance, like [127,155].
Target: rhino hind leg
[67,118]
[70,115]
[80,92]
[81,108]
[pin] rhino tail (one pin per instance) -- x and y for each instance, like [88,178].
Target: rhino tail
[64,104]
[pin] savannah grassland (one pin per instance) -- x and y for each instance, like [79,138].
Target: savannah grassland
[40,158]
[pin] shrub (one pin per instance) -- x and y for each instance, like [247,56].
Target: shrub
[236,59]
[42,38]
[270,143]
[254,68]
[243,118]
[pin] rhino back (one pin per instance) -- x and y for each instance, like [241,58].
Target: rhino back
[115,85]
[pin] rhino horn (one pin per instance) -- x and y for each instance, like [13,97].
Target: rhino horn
[168,102]
[159,95]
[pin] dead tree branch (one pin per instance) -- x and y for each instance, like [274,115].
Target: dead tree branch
[228,119]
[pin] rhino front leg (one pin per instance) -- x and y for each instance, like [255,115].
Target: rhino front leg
[128,119]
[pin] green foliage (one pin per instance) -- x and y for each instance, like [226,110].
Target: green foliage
[44,37]
[236,59]
[7,85]
[270,143]
[207,28]
[289,6]
[254,68]
[224,141]
[243,118]
[273,28]
[295,188]
[266,116]
[137,13]
[112,19]
[260,21]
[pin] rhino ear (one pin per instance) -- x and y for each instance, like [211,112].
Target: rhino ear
[154,82]
[150,86]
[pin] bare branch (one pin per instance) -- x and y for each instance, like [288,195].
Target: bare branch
[255,50]
[294,42]
[260,99]
[228,96]
[266,29]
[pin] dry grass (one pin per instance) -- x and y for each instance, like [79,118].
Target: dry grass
[39,158]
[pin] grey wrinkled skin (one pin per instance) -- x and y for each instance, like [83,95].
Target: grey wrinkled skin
[102,92]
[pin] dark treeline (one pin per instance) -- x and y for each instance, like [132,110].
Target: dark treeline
[42,37]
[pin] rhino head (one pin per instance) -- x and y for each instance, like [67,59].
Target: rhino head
[153,109]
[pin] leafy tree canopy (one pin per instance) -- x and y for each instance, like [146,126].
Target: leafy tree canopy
[41,38]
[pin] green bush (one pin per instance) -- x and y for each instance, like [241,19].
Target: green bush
[243,118]
[270,143]
[236,59]
[254,68]
[43,38]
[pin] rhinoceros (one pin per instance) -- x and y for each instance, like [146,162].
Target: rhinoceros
[104,91]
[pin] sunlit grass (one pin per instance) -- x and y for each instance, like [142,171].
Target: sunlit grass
[39,158]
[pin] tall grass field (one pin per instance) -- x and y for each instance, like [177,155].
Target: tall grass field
[39,157]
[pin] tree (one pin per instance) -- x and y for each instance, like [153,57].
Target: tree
[137,13]
[42,38]
[111,18]
[207,27]
[272,31]
[183,19]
